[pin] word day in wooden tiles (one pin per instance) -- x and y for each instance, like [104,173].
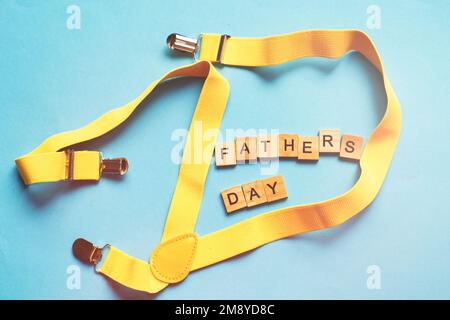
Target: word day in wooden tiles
[303,148]
[254,193]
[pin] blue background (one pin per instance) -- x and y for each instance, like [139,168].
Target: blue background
[53,79]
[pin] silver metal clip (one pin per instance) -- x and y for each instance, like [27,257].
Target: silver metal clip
[178,42]
[116,166]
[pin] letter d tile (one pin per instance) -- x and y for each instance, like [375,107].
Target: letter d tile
[233,199]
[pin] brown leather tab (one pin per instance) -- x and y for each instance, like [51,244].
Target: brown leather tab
[86,252]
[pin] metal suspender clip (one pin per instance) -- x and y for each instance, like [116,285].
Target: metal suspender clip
[178,42]
[116,166]
[86,252]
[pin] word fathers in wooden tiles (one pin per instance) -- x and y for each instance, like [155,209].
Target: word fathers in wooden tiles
[303,148]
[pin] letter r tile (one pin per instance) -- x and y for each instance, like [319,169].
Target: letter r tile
[329,141]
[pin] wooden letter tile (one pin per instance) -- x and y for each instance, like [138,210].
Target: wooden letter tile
[246,150]
[329,141]
[254,193]
[274,188]
[233,199]
[308,148]
[268,147]
[288,145]
[351,147]
[225,154]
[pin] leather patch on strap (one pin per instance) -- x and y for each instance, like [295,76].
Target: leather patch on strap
[171,260]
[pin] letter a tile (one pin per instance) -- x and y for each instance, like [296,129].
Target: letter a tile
[254,193]
[246,149]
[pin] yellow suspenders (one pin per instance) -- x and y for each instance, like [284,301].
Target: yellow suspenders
[181,250]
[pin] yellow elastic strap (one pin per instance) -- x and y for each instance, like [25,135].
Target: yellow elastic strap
[53,166]
[374,161]
[135,273]
[278,224]
[130,272]
[47,163]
